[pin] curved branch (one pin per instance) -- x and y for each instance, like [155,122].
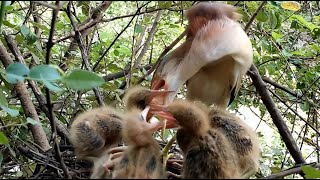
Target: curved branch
[113,42]
[37,131]
[275,115]
[164,52]
[288,172]
[49,105]
[147,43]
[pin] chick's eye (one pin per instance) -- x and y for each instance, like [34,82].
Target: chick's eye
[141,104]
[141,118]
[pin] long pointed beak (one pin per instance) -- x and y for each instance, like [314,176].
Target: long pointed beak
[157,83]
[157,93]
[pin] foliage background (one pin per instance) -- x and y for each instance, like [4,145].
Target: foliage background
[122,43]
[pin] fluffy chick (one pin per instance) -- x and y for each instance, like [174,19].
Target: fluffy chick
[92,133]
[207,152]
[142,157]
[243,139]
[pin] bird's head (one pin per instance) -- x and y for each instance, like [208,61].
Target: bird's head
[144,99]
[172,72]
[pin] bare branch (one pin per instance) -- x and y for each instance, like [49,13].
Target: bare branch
[52,122]
[275,115]
[147,43]
[113,42]
[164,52]
[296,113]
[84,52]
[38,133]
[46,4]
[288,172]
[254,15]
[284,88]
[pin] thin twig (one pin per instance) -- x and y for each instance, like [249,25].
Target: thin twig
[113,42]
[306,121]
[288,172]
[147,43]
[164,52]
[46,4]
[254,15]
[84,53]
[52,122]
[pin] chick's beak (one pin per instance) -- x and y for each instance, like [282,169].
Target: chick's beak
[157,108]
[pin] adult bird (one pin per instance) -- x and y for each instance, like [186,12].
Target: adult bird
[213,59]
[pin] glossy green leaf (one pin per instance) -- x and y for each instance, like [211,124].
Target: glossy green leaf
[44,72]
[33,122]
[16,72]
[1,159]
[3,139]
[12,112]
[262,16]
[3,100]
[138,28]
[311,172]
[82,80]
[52,86]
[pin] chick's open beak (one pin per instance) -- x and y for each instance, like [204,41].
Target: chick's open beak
[157,108]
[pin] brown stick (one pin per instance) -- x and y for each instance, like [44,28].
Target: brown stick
[61,128]
[275,115]
[49,105]
[164,52]
[271,107]
[288,172]
[84,53]
[38,133]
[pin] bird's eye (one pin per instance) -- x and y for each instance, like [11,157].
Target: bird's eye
[141,104]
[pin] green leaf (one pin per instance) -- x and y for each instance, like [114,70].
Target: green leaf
[16,72]
[28,35]
[82,80]
[24,30]
[33,122]
[124,50]
[1,159]
[3,100]
[7,23]
[116,52]
[164,4]
[52,86]
[276,35]
[262,16]
[3,139]
[44,72]
[104,36]
[138,28]
[41,26]
[311,172]
[12,112]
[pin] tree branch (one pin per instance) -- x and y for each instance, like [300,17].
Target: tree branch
[284,88]
[113,42]
[164,52]
[62,130]
[271,107]
[38,133]
[52,122]
[275,115]
[288,172]
[147,43]
[254,15]
[85,27]
[84,52]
